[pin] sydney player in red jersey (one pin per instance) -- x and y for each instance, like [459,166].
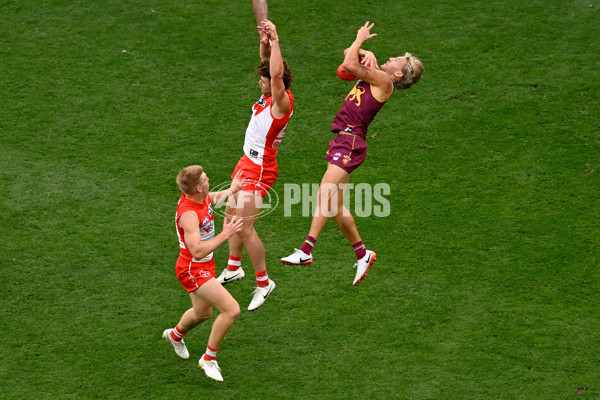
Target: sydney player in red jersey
[195,267]
[348,149]
[270,116]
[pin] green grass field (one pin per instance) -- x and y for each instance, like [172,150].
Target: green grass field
[487,284]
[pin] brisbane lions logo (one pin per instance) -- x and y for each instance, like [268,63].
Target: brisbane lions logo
[355,94]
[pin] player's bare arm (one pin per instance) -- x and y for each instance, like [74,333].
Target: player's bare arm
[190,224]
[261,12]
[217,198]
[382,85]
[368,58]
[281,101]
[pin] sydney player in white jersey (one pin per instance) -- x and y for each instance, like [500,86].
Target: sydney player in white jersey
[270,115]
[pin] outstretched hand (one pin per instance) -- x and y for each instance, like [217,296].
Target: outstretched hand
[369,60]
[267,29]
[262,35]
[236,183]
[364,33]
[233,226]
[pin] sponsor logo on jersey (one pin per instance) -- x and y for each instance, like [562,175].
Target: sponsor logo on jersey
[206,224]
[262,102]
[337,156]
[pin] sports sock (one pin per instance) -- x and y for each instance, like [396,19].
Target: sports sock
[234,263]
[211,354]
[359,249]
[262,278]
[177,334]
[308,245]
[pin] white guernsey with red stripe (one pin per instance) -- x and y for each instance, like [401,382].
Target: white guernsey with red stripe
[265,133]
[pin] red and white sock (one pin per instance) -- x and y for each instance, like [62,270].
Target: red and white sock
[211,354]
[262,278]
[234,263]
[177,334]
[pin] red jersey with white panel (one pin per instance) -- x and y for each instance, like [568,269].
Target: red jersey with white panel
[264,132]
[207,224]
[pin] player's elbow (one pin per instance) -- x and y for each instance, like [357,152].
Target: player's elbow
[199,253]
[277,75]
[351,66]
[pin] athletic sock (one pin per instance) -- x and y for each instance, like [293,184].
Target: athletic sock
[308,245]
[359,249]
[177,334]
[262,278]
[211,354]
[234,263]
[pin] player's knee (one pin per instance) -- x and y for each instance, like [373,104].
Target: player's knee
[247,231]
[233,311]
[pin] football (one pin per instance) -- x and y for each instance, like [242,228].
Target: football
[345,75]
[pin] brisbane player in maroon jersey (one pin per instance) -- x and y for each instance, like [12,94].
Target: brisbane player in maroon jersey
[348,149]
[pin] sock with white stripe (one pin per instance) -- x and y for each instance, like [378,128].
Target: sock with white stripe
[234,263]
[262,278]
[211,354]
[177,334]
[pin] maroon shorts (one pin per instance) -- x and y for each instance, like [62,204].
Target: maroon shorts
[347,151]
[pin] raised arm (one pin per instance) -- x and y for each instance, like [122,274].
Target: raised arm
[281,101]
[374,76]
[261,12]
[368,58]
[217,198]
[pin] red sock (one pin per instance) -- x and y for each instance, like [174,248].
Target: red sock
[308,245]
[234,263]
[177,334]
[359,249]
[211,354]
[262,278]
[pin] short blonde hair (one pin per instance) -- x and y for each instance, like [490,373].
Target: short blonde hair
[188,179]
[411,72]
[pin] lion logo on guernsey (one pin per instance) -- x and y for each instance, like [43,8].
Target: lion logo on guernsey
[355,94]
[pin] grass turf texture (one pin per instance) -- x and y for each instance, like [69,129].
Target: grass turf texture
[487,281]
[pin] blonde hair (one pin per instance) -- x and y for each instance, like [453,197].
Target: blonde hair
[188,179]
[411,72]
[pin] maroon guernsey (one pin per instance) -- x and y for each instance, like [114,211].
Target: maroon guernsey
[357,111]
